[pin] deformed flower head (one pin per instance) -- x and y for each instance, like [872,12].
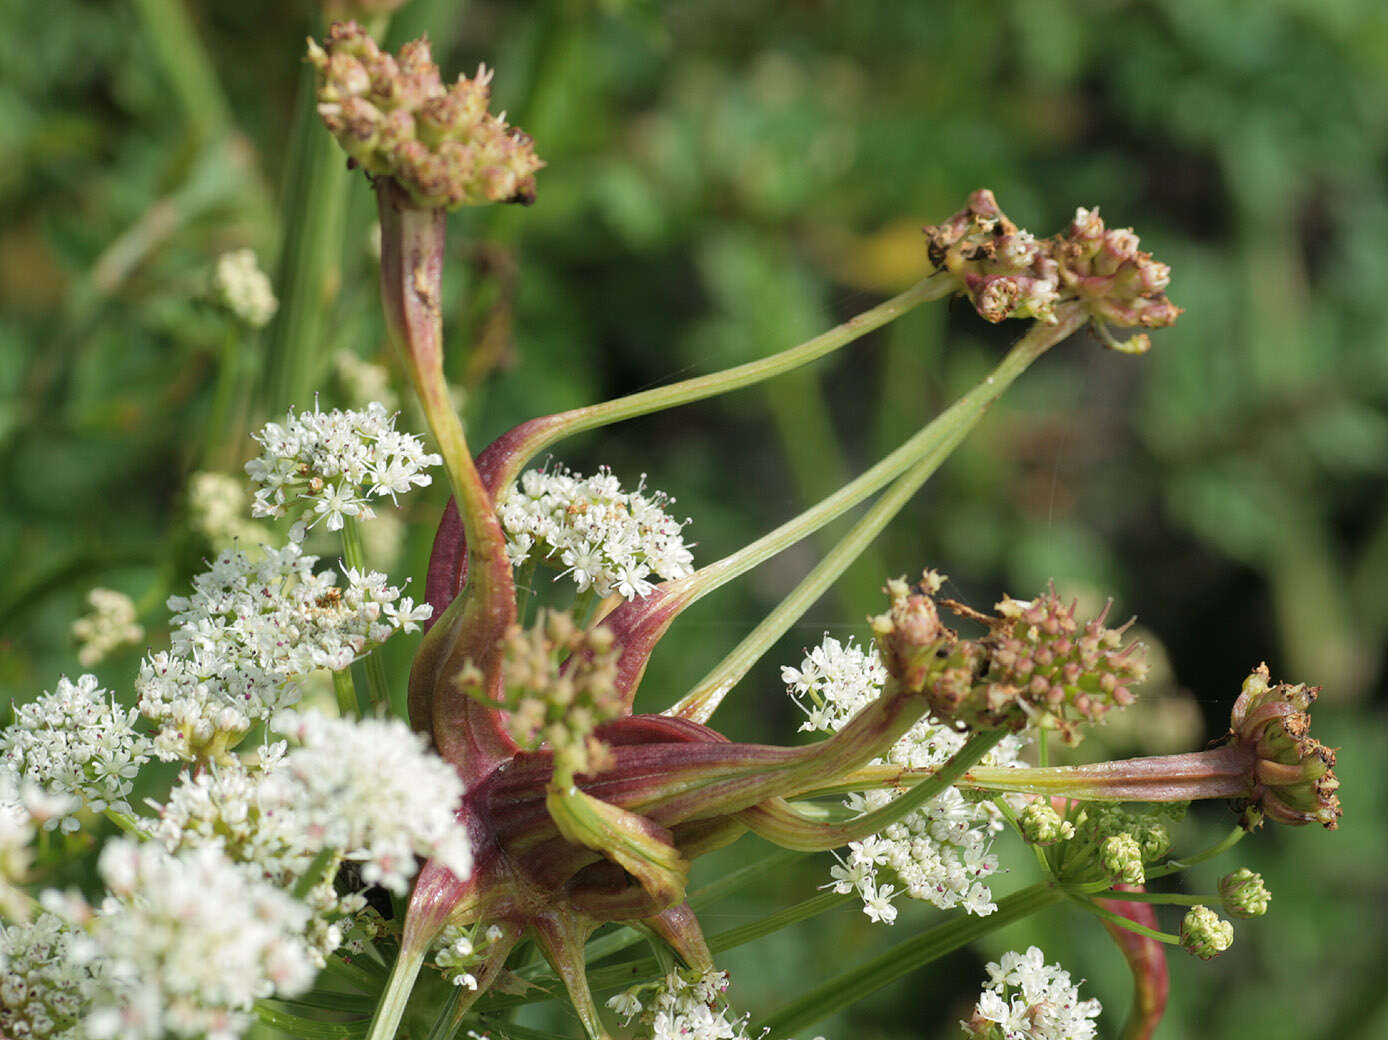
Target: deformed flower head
[1038,666]
[394,116]
[1008,273]
[77,741]
[605,538]
[1114,280]
[335,463]
[1293,779]
[1003,270]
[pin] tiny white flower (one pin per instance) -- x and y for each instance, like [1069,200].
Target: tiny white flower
[1031,1000]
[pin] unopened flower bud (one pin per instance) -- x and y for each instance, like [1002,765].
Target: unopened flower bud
[1042,825]
[1244,893]
[1122,858]
[1204,934]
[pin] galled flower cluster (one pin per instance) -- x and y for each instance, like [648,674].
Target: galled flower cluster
[1038,666]
[249,629]
[606,538]
[76,741]
[941,852]
[395,117]
[1008,273]
[335,463]
[1028,999]
[1293,779]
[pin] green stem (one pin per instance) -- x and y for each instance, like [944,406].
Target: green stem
[1124,922]
[911,465]
[1217,849]
[322,867]
[310,251]
[186,64]
[354,555]
[524,585]
[1158,898]
[391,1009]
[565,424]
[127,823]
[304,1028]
[852,986]
[346,692]
[794,830]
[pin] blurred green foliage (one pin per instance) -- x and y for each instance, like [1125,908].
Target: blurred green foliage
[725,179]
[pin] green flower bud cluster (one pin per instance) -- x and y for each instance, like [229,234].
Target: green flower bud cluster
[1204,934]
[1006,272]
[1244,893]
[395,118]
[1038,666]
[1293,779]
[1122,858]
[1115,844]
[560,685]
[1042,825]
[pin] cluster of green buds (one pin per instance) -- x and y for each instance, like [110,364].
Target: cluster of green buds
[1007,272]
[559,683]
[1037,665]
[1097,842]
[1244,893]
[394,117]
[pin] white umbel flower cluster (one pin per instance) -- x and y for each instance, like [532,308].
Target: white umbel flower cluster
[240,286]
[189,943]
[110,625]
[1028,999]
[373,789]
[250,628]
[77,741]
[45,983]
[684,1005]
[335,463]
[604,538]
[941,853]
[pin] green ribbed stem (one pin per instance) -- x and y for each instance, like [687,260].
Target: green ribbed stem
[914,463]
[354,555]
[852,986]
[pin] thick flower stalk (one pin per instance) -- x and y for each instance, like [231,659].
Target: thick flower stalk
[1267,765]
